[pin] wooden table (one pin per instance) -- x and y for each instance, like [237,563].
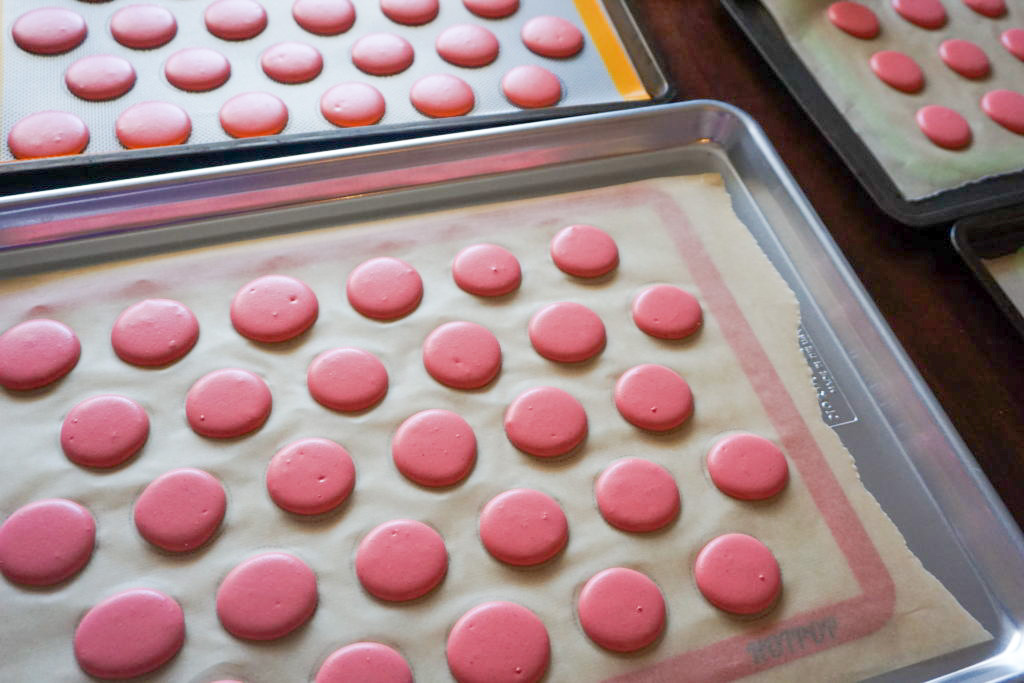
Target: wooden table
[963,345]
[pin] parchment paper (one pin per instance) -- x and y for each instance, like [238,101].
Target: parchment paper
[855,602]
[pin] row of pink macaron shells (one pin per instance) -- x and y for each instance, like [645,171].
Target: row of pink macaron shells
[944,126]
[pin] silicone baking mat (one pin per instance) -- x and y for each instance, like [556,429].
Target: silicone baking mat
[613,69]
[871,125]
[993,247]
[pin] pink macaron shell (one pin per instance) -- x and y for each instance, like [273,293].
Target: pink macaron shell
[347,380]
[945,127]
[467,45]
[637,495]
[274,308]
[235,19]
[364,663]
[667,312]
[153,124]
[253,114]
[965,58]
[384,288]
[897,70]
[154,332]
[353,104]
[584,251]
[382,54]
[324,17]
[267,597]
[434,448]
[653,397]
[100,77]
[498,642]
[531,87]
[104,431]
[442,96]
[854,18]
[487,270]
[46,542]
[292,62]
[228,403]
[49,30]
[143,27]
[1005,107]
[523,527]
[566,332]
[621,609]
[129,634]
[551,36]
[37,352]
[310,476]
[747,467]
[462,355]
[993,9]
[48,134]
[929,14]
[197,69]
[738,574]
[410,12]
[1013,40]
[401,560]
[180,510]
[546,422]
[492,9]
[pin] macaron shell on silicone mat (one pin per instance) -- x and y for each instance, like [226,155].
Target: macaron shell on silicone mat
[600,75]
[853,596]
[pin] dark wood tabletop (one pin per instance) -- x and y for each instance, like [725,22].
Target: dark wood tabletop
[963,345]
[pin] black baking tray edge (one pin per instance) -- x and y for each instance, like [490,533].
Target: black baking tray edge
[994,234]
[932,211]
[19,177]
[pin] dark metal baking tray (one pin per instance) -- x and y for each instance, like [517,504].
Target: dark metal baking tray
[987,237]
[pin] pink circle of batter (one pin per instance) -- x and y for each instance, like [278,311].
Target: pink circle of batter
[551,36]
[324,17]
[104,431]
[523,527]
[1013,40]
[621,609]
[487,270]
[310,476]
[153,124]
[384,288]
[235,19]
[100,77]
[491,9]
[292,62]
[462,355]
[382,54]
[410,12]
[739,574]
[965,58]
[928,14]
[181,509]
[567,332]
[228,403]
[267,597]
[897,70]
[434,448]
[748,467]
[347,380]
[154,332]
[653,397]
[1005,107]
[467,45]
[442,96]
[36,353]
[989,8]
[143,27]
[48,134]
[253,114]
[401,560]
[130,634]
[197,69]
[584,251]
[546,422]
[352,104]
[49,30]
[637,495]
[667,312]
[531,87]
[363,662]
[498,642]
[854,18]
[943,126]
[274,308]
[46,542]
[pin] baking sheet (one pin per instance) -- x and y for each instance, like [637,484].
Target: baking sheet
[949,516]
[993,247]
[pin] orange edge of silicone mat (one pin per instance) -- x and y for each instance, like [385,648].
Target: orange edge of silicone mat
[612,52]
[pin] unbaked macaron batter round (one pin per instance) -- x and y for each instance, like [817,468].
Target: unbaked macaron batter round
[551,36]
[382,54]
[739,574]
[434,448]
[747,466]
[180,510]
[353,104]
[253,114]
[531,87]
[462,355]
[401,560]
[584,251]
[566,332]
[363,663]
[487,270]
[384,288]
[523,527]
[621,609]
[37,352]
[154,332]
[442,96]
[546,422]
[48,134]
[667,312]
[637,495]
[292,62]
[104,431]
[467,45]
[46,542]
[653,397]
[267,597]
[310,476]
[274,308]
[197,69]
[347,379]
[324,17]
[143,27]
[235,19]
[100,77]
[49,30]
[498,642]
[153,124]
[228,403]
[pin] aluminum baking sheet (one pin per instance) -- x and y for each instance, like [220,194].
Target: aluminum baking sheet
[908,454]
